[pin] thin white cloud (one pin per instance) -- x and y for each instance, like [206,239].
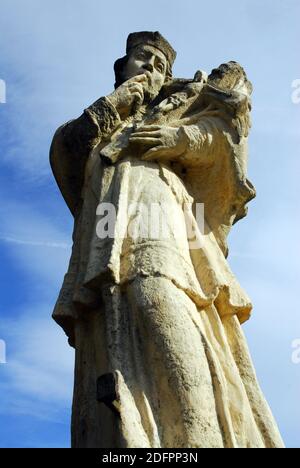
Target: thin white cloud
[37,378]
[45,90]
[22,228]
[14,240]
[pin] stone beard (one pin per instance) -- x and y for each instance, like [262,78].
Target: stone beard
[156,321]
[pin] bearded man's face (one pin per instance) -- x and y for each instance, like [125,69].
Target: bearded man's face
[151,61]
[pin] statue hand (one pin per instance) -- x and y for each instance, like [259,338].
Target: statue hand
[164,142]
[128,95]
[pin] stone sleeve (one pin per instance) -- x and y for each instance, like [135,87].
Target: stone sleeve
[95,124]
[73,143]
[203,141]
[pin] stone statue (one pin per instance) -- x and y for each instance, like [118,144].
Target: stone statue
[161,359]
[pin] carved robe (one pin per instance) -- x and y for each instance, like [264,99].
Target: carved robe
[162,316]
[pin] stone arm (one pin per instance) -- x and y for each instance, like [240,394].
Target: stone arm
[192,143]
[203,141]
[72,144]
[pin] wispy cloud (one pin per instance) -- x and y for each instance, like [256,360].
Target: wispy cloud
[44,90]
[37,378]
[55,245]
[22,228]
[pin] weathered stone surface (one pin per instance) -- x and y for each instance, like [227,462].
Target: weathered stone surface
[156,319]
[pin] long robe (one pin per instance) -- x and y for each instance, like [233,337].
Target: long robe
[161,315]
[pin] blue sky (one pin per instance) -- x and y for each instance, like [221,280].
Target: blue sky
[56,58]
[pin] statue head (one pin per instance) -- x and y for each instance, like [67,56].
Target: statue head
[146,52]
[231,76]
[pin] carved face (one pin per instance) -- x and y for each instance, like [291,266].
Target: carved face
[151,60]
